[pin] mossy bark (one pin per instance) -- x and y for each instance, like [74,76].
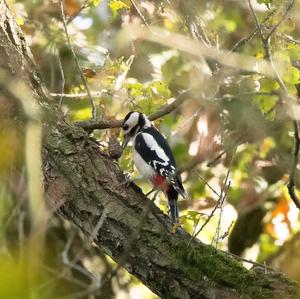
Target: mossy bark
[88,188]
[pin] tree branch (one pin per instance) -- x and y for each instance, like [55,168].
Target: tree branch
[107,124]
[84,81]
[291,184]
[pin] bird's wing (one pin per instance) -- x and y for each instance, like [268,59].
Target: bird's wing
[156,152]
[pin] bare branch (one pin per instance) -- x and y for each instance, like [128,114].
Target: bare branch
[291,184]
[283,17]
[219,204]
[205,223]
[226,233]
[216,159]
[107,124]
[291,39]
[248,261]
[266,38]
[140,14]
[77,95]
[166,109]
[244,40]
[227,186]
[62,80]
[76,59]
[208,185]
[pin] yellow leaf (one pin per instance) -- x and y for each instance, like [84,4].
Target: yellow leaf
[20,21]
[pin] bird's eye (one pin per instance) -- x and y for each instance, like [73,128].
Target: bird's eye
[125,127]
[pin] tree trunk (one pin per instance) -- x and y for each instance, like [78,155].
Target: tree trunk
[88,188]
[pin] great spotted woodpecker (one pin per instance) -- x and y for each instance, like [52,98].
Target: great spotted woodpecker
[153,158]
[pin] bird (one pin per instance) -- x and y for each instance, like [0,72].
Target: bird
[153,158]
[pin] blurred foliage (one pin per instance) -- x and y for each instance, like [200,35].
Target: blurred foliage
[232,115]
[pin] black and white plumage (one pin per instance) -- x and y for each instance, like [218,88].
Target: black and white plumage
[153,158]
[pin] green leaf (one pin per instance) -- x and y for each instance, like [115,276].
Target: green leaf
[171,67]
[95,2]
[159,88]
[116,5]
[291,75]
[264,1]
[265,104]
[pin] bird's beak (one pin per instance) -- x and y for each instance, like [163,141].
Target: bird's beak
[125,141]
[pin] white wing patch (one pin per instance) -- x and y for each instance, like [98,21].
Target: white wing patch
[152,144]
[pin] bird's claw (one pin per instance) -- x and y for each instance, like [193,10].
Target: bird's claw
[128,179]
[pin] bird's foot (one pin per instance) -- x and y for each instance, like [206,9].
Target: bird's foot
[128,179]
[175,227]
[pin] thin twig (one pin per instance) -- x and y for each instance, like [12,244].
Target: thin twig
[283,17]
[247,261]
[191,118]
[208,185]
[265,40]
[205,223]
[77,95]
[68,21]
[221,210]
[197,222]
[93,234]
[62,80]
[73,263]
[291,184]
[140,14]
[291,39]
[226,233]
[224,190]
[84,81]
[217,158]
[244,40]
[220,202]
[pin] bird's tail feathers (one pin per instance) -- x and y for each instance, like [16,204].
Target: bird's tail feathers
[172,195]
[179,188]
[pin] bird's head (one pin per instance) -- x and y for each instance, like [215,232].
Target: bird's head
[133,123]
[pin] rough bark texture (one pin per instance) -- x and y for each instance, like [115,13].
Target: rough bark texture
[87,187]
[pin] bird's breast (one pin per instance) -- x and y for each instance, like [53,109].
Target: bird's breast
[142,166]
